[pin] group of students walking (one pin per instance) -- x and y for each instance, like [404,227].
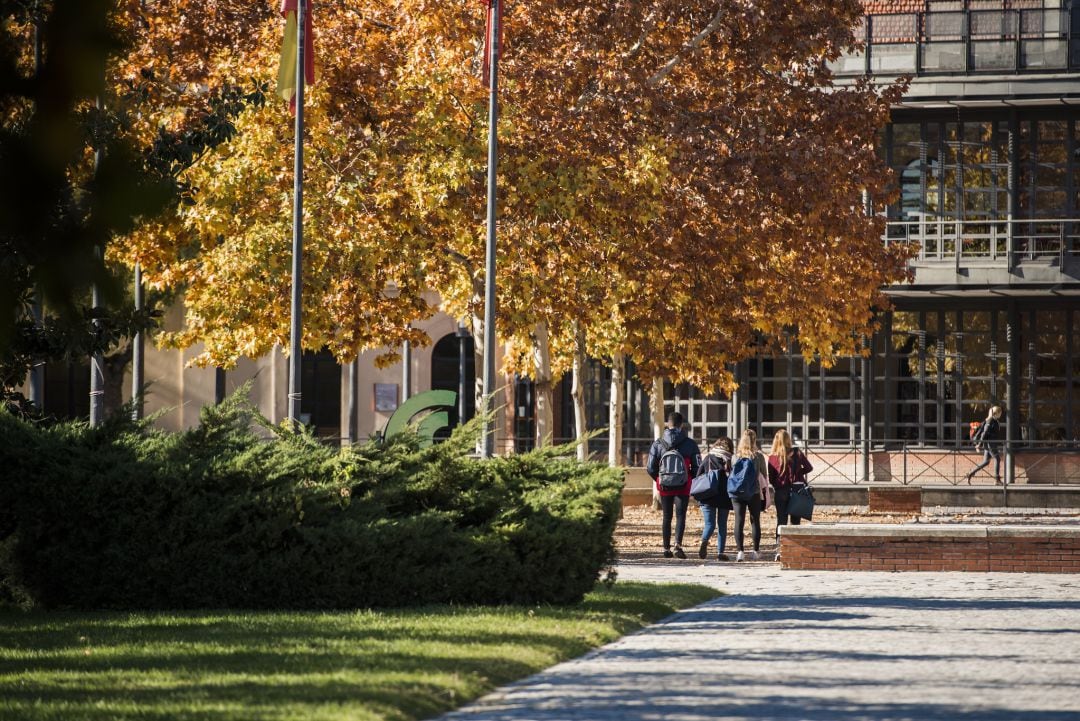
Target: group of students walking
[777,476]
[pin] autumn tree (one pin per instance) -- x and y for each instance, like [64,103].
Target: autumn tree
[728,251]
[656,167]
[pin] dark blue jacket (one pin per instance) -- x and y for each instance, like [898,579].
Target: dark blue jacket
[678,440]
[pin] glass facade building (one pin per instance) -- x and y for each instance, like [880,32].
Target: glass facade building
[985,147]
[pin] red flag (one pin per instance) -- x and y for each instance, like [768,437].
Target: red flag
[287,67]
[488,40]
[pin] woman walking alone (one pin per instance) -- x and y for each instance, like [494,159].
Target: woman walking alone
[715,512]
[748,449]
[787,469]
[987,438]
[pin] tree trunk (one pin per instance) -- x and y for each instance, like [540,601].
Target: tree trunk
[577,392]
[543,386]
[113,368]
[478,365]
[656,407]
[615,410]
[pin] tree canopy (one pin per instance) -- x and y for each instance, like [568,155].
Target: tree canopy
[680,181]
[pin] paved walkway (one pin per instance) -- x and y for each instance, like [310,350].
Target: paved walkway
[826,646]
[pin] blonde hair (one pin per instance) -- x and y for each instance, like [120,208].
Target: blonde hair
[995,412]
[747,444]
[781,447]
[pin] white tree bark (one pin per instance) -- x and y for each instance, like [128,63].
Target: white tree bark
[615,410]
[689,49]
[543,386]
[577,392]
[656,408]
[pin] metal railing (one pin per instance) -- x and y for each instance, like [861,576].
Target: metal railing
[902,461]
[907,462]
[963,41]
[1009,242]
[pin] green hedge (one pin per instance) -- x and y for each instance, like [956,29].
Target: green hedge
[127,516]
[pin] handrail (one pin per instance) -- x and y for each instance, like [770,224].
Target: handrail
[961,41]
[1014,241]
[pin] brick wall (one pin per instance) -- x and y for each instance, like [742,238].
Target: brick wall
[855,547]
[894,500]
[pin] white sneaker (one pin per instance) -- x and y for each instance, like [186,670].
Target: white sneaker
[739,556]
[753,555]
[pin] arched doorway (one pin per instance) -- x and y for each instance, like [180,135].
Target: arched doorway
[450,353]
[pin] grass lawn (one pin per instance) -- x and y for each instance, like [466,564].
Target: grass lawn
[395,664]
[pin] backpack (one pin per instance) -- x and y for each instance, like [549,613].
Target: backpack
[742,482]
[673,473]
[977,431]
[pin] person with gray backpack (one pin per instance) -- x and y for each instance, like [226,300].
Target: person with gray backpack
[673,463]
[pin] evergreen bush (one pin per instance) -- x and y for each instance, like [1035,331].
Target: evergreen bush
[129,516]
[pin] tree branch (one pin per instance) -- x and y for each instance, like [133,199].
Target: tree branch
[689,49]
[461,107]
[646,28]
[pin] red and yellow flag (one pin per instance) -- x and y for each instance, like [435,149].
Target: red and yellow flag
[287,66]
[488,40]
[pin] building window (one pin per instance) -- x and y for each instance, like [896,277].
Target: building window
[1048,393]
[596,387]
[320,401]
[524,414]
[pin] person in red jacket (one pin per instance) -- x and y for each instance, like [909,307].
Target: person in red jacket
[674,501]
[787,468]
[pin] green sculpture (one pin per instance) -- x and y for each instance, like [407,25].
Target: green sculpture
[430,424]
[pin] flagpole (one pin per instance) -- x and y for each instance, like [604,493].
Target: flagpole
[138,363]
[295,324]
[489,271]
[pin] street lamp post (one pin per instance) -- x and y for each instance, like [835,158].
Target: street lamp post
[295,325]
[138,344]
[488,448]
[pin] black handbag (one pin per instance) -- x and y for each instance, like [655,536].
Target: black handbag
[801,503]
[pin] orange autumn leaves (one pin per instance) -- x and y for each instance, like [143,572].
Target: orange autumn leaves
[678,178]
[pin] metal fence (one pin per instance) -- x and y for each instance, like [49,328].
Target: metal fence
[901,461]
[906,462]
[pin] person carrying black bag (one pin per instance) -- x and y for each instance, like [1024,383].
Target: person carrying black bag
[715,511]
[787,471]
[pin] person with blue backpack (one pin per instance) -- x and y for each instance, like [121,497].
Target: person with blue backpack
[673,464]
[716,507]
[744,489]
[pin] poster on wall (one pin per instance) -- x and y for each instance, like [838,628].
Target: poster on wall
[386,397]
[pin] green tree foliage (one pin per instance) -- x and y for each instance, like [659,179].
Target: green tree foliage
[79,166]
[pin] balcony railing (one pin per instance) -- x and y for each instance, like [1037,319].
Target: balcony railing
[963,42]
[1008,242]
